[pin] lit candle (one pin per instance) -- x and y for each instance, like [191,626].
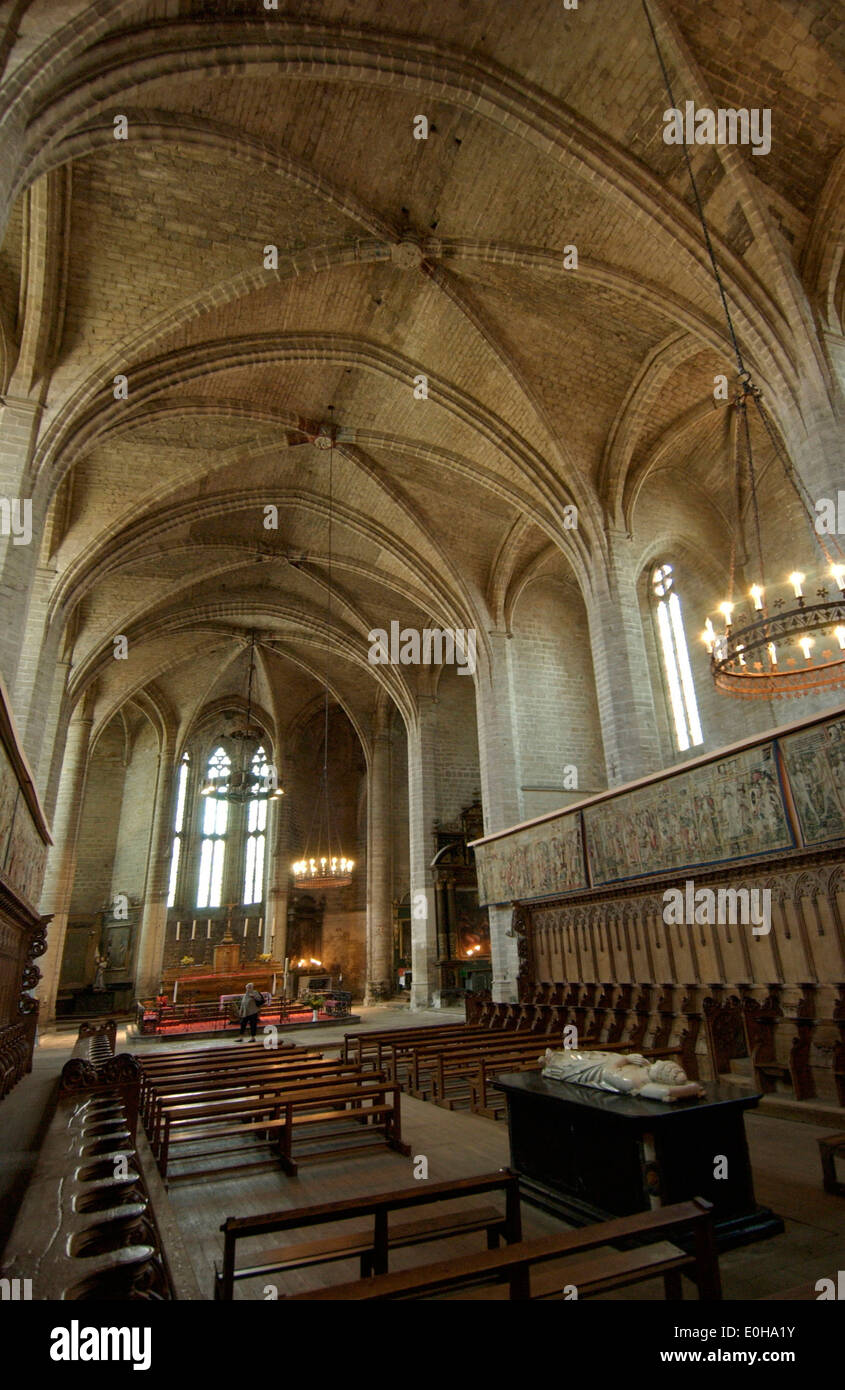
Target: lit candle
[773,654]
[708,636]
[838,572]
[839,633]
[756,593]
[805,643]
[796,580]
[726,609]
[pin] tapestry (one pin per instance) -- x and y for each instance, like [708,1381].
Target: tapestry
[728,809]
[536,862]
[815,765]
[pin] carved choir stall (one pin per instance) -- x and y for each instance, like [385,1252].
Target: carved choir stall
[24,839]
[701,910]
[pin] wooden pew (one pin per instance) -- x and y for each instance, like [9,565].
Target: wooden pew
[372,1247]
[262,1081]
[275,1117]
[183,1103]
[590,1273]
[398,1053]
[227,1066]
[430,1059]
[231,1067]
[450,1074]
[379,1041]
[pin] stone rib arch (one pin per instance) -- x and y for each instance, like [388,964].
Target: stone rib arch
[331,52]
[156,526]
[207,359]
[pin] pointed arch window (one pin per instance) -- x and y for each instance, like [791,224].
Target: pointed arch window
[676,662]
[178,828]
[215,829]
[256,834]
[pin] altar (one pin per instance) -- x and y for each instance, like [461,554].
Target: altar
[588,1155]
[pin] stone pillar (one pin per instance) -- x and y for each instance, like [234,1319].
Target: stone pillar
[61,861]
[498,749]
[278,879]
[154,912]
[421,812]
[620,661]
[34,687]
[19,423]
[380,982]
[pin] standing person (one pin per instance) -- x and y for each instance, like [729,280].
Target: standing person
[249,1007]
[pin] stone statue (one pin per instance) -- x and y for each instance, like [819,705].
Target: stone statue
[625,1073]
[101,963]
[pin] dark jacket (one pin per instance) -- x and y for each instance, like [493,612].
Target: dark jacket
[251,1003]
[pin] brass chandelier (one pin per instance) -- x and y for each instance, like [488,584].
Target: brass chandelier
[245,783]
[321,865]
[779,646]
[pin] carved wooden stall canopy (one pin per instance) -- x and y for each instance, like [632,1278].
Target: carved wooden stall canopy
[611,922]
[24,838]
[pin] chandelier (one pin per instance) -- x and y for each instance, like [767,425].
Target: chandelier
[324,867]
[781,645]
[251,780]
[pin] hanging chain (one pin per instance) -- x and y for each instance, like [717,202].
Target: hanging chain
[746,389]
[698,203]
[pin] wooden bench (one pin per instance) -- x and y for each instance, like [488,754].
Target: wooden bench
[180,1106]
[449,1074]
[431,1060]
[380,1042]
[583,1264]
[277,1116]
[151,1077]
[372,1247]
[223,1082]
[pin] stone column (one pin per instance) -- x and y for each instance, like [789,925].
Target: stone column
[19,424]
[46,786]
[498,749]
[380,982]
[421,812]
[61,861]
[154,911]
[278,879]
[41,648]
[620,661]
